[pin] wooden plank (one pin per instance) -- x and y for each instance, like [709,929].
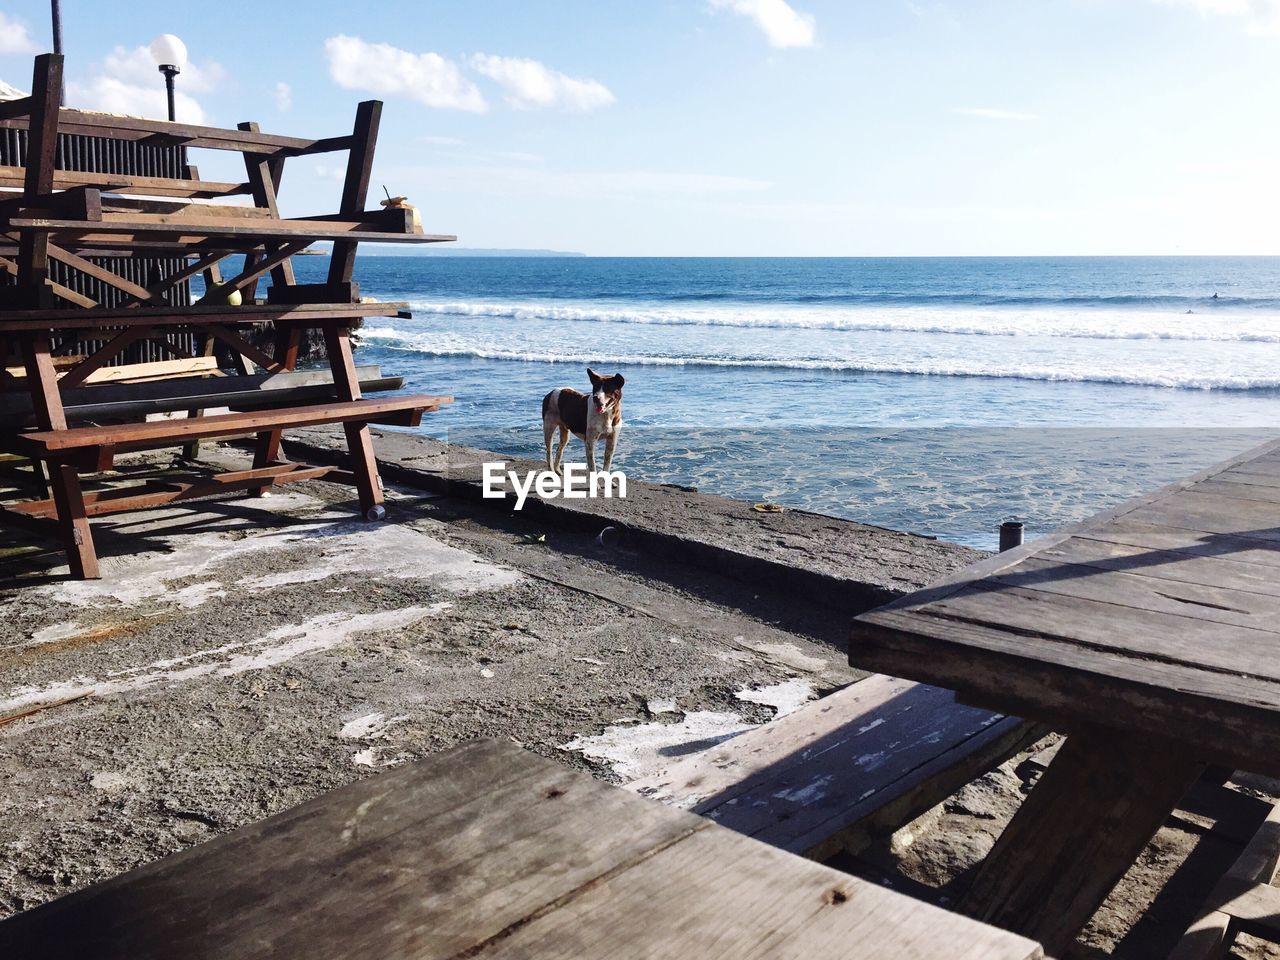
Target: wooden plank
[231,424]
[1207,603]
[367,871]
[156,494]
[830,775]
[1213,930]
[102,356]
[1225,569]
[475,853]
[1085,822]
[1212,513]
[64,319]
[362,225]
[121,127]
[122,183]
[1190,543]
[1051,619]
[1234,719]
[713,897]
[61,292]
[205,391]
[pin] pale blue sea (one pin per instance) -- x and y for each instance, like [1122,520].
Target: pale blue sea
[933,395]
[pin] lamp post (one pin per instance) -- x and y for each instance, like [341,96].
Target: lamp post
[170,55]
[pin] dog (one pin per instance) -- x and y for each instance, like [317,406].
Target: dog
[589,417]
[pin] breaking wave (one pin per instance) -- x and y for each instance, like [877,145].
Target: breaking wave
[454,346]
[1217,326]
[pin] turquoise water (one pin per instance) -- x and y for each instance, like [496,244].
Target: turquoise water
[934,395]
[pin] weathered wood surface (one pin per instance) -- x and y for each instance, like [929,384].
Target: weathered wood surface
[1236,898]
[1149,634]
[834,773]
[487,851]
[1161,617]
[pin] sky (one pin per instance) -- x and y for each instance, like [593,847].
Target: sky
[737,127]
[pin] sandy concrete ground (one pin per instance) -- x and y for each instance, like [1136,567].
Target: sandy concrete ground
[245,656]
[242,657]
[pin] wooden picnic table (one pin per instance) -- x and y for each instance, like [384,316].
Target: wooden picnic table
[487,851]
[1150,635]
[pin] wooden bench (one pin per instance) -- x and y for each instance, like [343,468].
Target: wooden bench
[86,222]
[1243,901]
[835,773]
[489,852]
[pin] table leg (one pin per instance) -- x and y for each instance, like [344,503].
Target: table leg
[267,451]
[1101,800]
[46,403]
[346,384]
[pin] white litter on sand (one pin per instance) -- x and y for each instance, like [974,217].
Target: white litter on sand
[656,707]
[591,660]
[366,758]
[371,726]
[109,782]
[644,749]
[280,645]
[486,673]
[318,547]
[784,697]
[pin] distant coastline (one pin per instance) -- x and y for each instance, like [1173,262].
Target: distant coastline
[442,250]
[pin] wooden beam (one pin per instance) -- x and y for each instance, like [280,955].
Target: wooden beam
[264,177]
[355,189]
[42,145]
[98,273]
[244,348]
[194,188]
[104,355]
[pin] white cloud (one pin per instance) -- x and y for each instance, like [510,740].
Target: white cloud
[128,82]
[993,113]
[14,37]
[382,69]
[783,25]
[530,84]
[284,97]
[1259,16]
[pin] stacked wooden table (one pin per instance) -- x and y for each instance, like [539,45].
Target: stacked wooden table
[1150,635]
[486,852]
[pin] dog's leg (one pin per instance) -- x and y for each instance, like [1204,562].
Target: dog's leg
[610,442]
[564,438]
[590,440]
[548,430]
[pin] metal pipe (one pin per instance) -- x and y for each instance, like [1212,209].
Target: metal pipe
[1010,535]
[57,26]
[169,71]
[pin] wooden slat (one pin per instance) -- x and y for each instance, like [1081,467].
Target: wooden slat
[65,319]
[229,424]
[1225,569]
[489,852]
[128,183]
[831,774]
[712,898]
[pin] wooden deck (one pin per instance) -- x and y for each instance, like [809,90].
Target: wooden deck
[1150,635]
[487,851]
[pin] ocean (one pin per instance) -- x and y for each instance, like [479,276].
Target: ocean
[935,395]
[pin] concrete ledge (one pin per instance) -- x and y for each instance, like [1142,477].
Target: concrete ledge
[841,564]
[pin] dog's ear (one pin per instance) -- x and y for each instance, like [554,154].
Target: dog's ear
[594,377]
[616,381]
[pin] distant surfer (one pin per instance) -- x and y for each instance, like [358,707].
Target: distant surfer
[1215,296]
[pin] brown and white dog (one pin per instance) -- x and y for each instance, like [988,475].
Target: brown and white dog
[589,417]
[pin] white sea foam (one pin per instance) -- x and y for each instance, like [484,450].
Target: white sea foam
[1093,323]
[1091,369]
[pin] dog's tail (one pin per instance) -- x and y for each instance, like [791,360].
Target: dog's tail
[546,403]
